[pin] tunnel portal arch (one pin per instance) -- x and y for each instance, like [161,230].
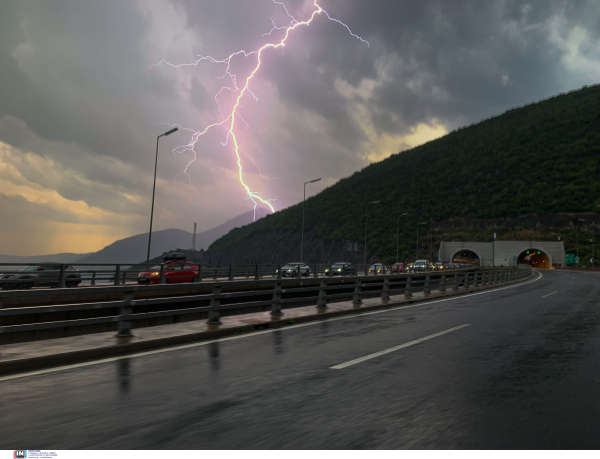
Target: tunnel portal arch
[536,258]
[466,256]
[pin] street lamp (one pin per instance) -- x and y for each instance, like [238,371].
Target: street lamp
[366,207]
[593,247]
[303,203]
[423,223]
[171,131]
[397,231]
[437,229]
[577,238]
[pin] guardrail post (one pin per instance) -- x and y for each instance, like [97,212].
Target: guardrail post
[93,282]
[162,279]
[63,276]
[276,305]
[215,302]
[467,280]
[117,274]
[407,288]
[124,329]
[442,286]
[357,289]
[366,271]
[316,270]
[385,294]
[475,279]
[456,282]
[322,300]
[230,272]
[279,271]
[257,273]
[427,286]
[199,276]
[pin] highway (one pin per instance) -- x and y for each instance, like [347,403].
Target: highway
[509,368]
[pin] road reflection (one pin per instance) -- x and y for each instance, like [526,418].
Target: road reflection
[213,353]
[278,341]
[124,376]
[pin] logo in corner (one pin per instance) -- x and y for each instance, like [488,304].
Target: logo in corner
[20,454]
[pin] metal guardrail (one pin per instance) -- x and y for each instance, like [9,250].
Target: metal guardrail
[381,286]
[127,274]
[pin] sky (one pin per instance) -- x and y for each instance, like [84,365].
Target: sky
[86,87]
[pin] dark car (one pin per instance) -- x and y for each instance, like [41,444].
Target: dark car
[43,275]
[376,268]
[292,270]
[398,268]
[341,269]
[176,272]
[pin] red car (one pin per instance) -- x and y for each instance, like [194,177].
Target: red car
[175,272]
[398,268]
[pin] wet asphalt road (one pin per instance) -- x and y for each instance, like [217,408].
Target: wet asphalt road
[524,374]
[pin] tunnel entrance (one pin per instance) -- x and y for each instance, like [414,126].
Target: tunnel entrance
[534,258]
[466,256]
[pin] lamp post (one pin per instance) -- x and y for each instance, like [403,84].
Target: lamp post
[577,238]
[303,204]
[366,207]
[437,229]
[594,247]
[423,223]
[397,232]
[171,131]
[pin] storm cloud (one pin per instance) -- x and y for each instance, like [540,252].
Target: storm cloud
[82,99]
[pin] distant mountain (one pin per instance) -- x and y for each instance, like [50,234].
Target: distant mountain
[134,249]
[59,257]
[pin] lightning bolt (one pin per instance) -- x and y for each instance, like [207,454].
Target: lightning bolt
[229,122]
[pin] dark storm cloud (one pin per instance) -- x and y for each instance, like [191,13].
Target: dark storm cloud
[79,87]
[458,53]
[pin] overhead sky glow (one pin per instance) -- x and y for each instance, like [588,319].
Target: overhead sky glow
[231,78]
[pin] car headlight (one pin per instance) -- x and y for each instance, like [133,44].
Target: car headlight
[340,270]
[155,273]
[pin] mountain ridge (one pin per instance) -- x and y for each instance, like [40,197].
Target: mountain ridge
[541,158]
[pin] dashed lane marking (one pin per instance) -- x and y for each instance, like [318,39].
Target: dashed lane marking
[395,348]
[550,294]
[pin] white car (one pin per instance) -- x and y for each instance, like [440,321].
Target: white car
[292,270]
[421,266]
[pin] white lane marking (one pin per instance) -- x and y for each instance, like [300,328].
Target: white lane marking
[571,283]
[550,294]
[395,348]
[250,335]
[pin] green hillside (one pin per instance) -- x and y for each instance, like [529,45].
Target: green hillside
[541,158]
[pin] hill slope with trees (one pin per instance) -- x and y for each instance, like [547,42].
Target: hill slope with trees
[542,158]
